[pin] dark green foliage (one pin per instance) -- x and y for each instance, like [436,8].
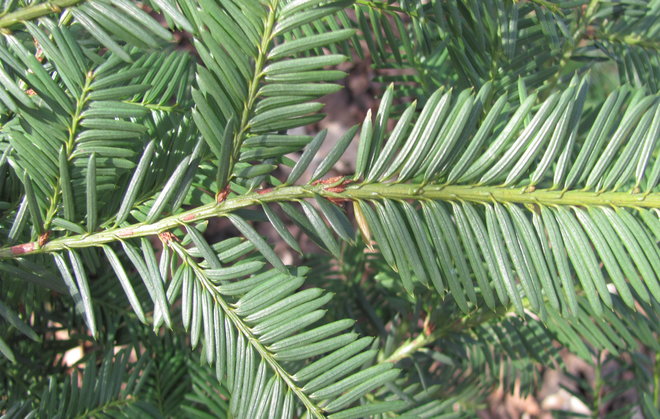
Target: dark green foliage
[504,206]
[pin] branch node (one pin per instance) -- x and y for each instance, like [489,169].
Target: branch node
[222,195]
[43,238]
[166,237]
[333,181]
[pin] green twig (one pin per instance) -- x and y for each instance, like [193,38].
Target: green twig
[253,88]
[36,11]
[571,46]
[244,329]
[69,148]
[477,194]
[467,322]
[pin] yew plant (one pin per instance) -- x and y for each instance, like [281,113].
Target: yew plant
[503,208]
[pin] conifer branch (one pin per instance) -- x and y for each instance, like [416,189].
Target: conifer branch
[418,192]
[244,329]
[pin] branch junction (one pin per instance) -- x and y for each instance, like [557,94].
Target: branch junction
[356,192]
